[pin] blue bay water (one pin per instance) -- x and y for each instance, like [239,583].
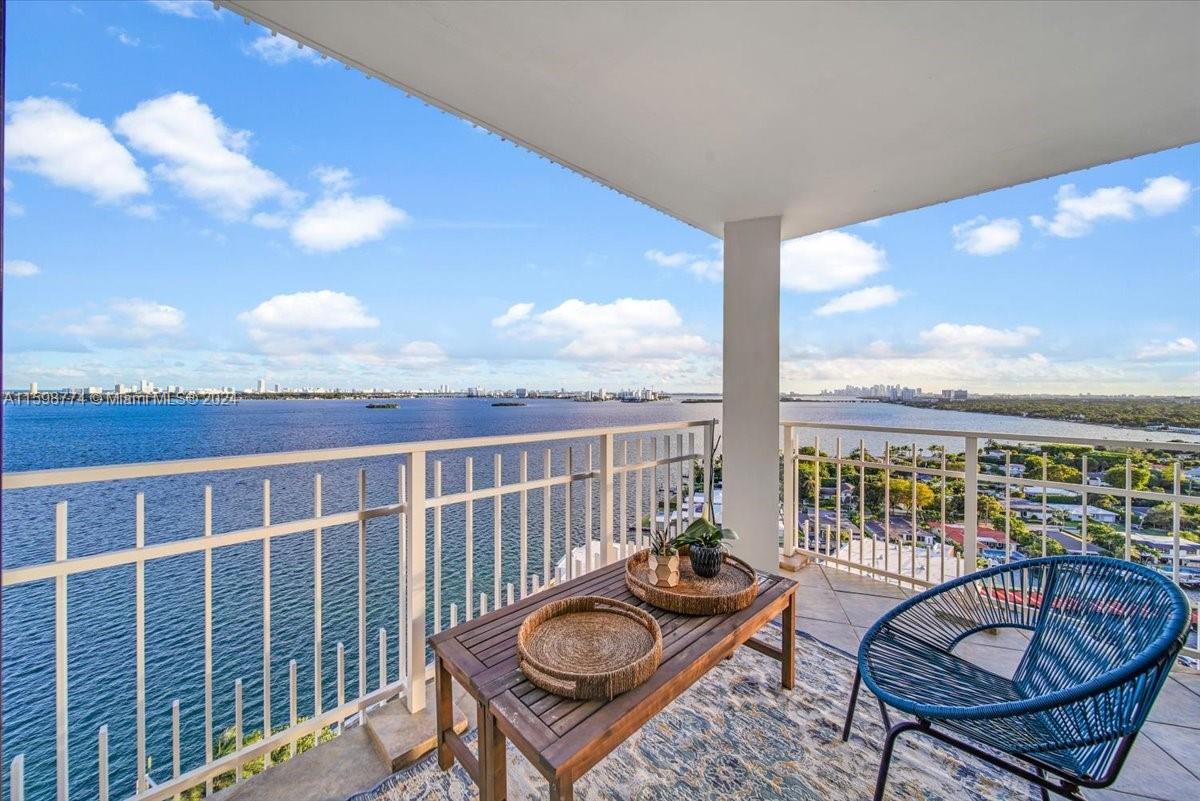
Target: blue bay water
[101,518]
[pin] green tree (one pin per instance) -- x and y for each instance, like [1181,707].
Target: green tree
[1064,473]
[1138,473]
[901,492]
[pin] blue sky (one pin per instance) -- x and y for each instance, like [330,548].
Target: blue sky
[191,201]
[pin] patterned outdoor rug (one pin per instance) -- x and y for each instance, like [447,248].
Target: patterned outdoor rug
[736,735]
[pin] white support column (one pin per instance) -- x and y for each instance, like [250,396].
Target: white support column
[750,374]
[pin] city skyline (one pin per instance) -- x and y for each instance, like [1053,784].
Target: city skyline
[234,233]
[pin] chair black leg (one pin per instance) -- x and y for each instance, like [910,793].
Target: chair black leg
[886,759]
[853,703]
[1045,792]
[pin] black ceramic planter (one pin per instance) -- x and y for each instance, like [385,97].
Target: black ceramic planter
[706,562]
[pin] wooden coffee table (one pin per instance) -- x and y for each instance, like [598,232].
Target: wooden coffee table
[562,738]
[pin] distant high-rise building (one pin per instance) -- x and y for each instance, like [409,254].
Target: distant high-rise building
[33,388]
[262,385]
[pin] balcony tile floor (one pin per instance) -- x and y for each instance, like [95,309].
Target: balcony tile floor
[837,607]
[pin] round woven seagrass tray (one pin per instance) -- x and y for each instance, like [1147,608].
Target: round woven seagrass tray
[734,588]
[589,647]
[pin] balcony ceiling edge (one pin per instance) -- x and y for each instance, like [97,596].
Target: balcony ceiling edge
[825,114]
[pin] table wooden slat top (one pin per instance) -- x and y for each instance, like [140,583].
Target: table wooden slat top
[563,738]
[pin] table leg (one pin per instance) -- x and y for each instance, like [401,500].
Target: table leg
[445,713]
[561,790]
[789,642]
[493,770]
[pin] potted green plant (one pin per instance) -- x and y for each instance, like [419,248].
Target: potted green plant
[705,541]
[663,560]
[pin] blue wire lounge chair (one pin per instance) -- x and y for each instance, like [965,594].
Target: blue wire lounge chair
[1104,636]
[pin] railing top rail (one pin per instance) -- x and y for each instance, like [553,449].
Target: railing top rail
[1181,447]
[83,475]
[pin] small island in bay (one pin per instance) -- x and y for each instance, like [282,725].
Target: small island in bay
[508,403]
[383,405]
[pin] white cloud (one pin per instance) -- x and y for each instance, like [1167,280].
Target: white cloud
[49,138]
[266,220]
[335,223]
[816,263]
[123,36]
[143,211]
[872,297]
[669,259]
[130,320]
[70,86]
[979,237]
[828,260]
[334,179]
[185,8]
[626,329]
[279,50]
[1075,214]
[956,337]
[1166,350]
[11,207]
[19,268]
[705,269]
[323,310]
[515,313]
[200,155]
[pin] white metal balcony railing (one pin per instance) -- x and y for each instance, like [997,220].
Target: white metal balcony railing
[911,545]
[624,476]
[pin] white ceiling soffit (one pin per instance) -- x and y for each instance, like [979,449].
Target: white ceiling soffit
[825,113]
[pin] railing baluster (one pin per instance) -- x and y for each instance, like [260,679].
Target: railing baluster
[1007,507]
[414,633]
[523,500]
[791,471]
[912,567]
[62,764]
[589,559]
[1128,509]
[1045,511]
[887,507]
[175,751]
[680,504]
[102,768]
[970,505]
[140,638]
[1175,518]
[453,615]
[266,617]
[508,594]
[318,683]
[862,505]
[341,674]
[547,497]
[607,488]
[638,479]
[237,726]
[497,512]
[208,639]
[1083,505]
[691,477]
[469,544]
[623,501]
[362,582]
[382,657]
[483,604]
[837,499]
[293,715]
[437,547]
[568,550]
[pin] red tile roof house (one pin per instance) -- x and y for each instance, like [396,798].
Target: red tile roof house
[986,537]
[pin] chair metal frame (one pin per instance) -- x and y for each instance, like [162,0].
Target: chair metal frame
[1134,620]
